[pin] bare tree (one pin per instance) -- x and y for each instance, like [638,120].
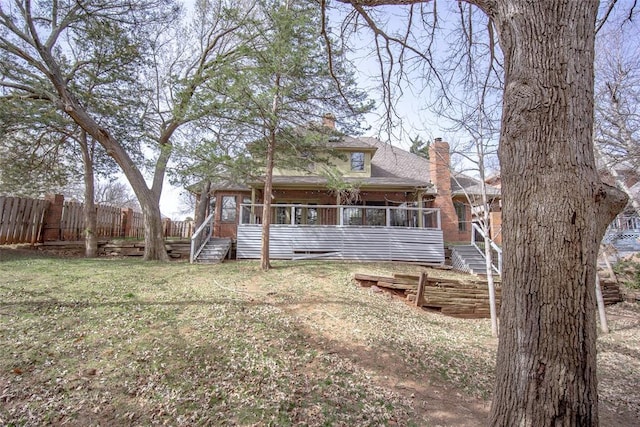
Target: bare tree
[617,101]
[50,49]
[556,208]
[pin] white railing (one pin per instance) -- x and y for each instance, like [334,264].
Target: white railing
[344,216]
[623,223]
[496,248]
[200,237]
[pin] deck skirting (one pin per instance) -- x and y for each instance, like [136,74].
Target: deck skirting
[360,243]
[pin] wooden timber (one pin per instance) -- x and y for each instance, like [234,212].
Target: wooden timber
[457,298]
[420,301]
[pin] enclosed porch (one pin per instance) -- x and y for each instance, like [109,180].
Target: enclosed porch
[343,232]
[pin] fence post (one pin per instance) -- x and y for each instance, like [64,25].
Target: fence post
[167,227]
[127,221]
[52,217]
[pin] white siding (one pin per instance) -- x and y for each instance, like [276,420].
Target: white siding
[344,243]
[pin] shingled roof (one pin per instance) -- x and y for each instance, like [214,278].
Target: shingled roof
[393,162]
[391,167]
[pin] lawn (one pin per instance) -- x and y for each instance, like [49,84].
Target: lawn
[122,342]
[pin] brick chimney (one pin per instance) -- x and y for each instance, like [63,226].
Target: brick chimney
[329,120]
[440,165]
[440,175]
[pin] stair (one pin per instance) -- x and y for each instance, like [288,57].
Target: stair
[214,251]
[469,259]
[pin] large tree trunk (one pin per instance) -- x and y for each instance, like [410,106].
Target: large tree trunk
[154,249]
[149,198]
[556,210]
[89,210]
[202,204]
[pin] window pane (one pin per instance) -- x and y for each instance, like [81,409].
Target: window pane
[461,211]
[246,211]
[352,216]
[357,161]
[312,216]
[229,208]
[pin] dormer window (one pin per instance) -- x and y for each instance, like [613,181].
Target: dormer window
[357,161]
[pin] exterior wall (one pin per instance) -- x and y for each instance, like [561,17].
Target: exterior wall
[342,165]
[227,229]
[291,172]
[495,221]
[455,235]
[324,197]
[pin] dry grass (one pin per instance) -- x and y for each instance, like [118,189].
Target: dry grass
[104,342]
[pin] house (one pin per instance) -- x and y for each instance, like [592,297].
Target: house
[388,204]
[624,231]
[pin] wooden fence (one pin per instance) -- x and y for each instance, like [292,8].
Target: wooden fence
[25,220]
[21,219]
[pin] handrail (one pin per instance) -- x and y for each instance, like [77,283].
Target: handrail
[197,242]
[408,216]
[493,245]
[625,222]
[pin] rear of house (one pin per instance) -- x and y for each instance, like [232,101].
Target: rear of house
[390,205]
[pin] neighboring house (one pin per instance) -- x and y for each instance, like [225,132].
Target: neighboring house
[387,192]
[624,231]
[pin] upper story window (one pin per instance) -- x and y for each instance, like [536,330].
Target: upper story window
[357,161]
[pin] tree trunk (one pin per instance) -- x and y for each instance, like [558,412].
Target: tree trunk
[488,255]
[154,249]
[89,210]
[555,213]
[149,198]
[202,204]
[266,208]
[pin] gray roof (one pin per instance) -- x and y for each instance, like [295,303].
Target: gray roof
[391,167]
[362,182]
[350,143]
[393,162]
[463,184]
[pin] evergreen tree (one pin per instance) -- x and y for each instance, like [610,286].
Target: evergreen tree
[285,83]
[419,147]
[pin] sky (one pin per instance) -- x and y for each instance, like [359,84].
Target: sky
[414,119]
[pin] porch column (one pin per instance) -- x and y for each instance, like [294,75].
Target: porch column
[252,220]
[420,211]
